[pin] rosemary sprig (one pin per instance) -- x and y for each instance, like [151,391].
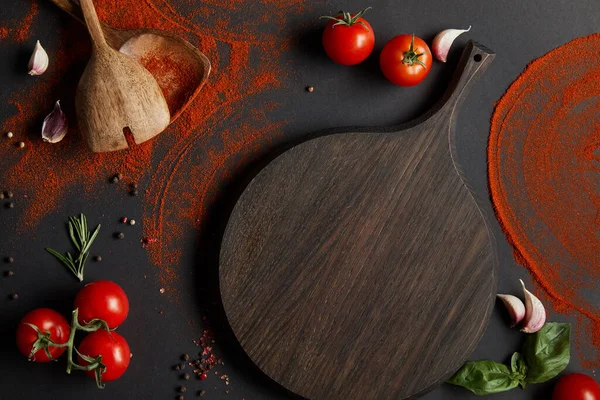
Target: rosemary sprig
[82,240]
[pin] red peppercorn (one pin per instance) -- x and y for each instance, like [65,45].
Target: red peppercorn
[124,220]
[203,376]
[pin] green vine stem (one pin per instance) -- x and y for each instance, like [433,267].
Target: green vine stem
[95,363]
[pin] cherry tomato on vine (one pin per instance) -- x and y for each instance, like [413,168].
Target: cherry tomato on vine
[114,351]
[51,325]
[103,300]
[348,39]
[405,60]
[576,387]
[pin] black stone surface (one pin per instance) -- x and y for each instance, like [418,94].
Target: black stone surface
[518,31]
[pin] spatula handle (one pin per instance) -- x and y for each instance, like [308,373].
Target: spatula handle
[93,23]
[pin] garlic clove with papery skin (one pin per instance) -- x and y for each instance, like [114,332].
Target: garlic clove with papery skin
[535,313]
[443,41]
[38,63]
[55,125]
[515,308]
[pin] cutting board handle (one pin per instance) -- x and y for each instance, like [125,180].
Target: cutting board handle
[474,61]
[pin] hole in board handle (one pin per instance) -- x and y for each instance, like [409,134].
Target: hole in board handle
[477,57]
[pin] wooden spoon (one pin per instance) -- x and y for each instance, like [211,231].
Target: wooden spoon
[144,44]
[116,92]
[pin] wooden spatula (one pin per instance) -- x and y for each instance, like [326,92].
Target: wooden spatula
[114,93]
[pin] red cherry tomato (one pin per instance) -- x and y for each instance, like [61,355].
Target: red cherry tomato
[104,300]
[405,60]
[114,351]
[576,387]
[47,321]
[348,39]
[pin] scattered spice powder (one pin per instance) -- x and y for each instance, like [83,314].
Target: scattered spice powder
[24,29]
[209,142]
[544,159]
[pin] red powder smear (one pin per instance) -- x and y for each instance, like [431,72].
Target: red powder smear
[192,158]
[20,29]
[544,160]
[21,33]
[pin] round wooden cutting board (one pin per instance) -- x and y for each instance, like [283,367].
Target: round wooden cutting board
[358,265]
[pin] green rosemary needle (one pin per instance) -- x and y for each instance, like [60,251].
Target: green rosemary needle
[82,239]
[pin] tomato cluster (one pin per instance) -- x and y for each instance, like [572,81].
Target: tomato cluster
[348,39]
[100,307]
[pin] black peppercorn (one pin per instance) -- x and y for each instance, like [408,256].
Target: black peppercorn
[119,176]
[185,357]
[120,235]
[10,205]
[180,397]
[9,194]
[115,179]
[10,260]
[134,192]
[97,258]
[2,196]
[9,273]
[14,296]
[177,367]
[186,377]
[201,393]
[181,367]
[182,389]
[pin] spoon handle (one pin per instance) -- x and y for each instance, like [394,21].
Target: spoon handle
[70,8]
[114,37]
[93,23]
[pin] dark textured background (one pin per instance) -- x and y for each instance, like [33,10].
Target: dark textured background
[517,31]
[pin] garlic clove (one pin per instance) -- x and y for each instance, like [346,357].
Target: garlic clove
[55,125]
[443,41]
[38,63]
[515,307]
[535,313]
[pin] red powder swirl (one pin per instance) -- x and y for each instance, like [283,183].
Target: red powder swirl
[192,157]
[544,164]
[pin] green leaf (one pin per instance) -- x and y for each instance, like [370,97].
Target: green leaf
[485,377]
[82,239]
[547,352]
[519,368]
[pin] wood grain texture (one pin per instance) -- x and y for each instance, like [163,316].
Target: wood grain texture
[358,265]
[116,92]
[137,43]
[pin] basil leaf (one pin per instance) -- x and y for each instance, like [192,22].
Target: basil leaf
[547,352]
[519,368]
[514,360]
[485,377]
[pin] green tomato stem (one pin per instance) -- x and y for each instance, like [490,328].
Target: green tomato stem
[411,57]
[346,19]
